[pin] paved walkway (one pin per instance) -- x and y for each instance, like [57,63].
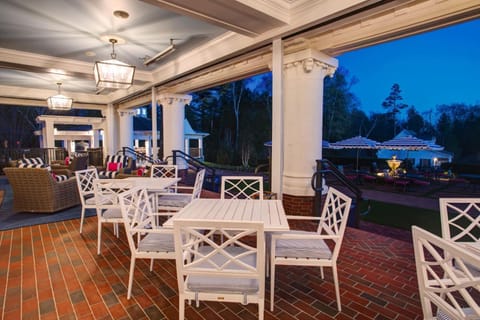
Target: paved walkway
[402,199]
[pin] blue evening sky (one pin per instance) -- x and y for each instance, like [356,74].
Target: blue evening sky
[438,67]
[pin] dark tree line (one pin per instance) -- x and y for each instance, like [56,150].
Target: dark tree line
[238,119]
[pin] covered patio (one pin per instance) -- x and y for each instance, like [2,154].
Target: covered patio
[50,271]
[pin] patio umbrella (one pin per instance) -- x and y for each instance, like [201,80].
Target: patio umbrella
[357,142]
[409,143]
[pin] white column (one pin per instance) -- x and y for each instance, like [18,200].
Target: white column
[303,102]
[276,157]
[96,138]
[173,117]
[110,145]
[187,146]
[126,128]
[49,140]
[200,147]
[154,126]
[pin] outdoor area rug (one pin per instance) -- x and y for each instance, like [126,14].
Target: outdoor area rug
[11,220]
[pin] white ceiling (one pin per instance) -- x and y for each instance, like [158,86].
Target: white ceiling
[46,41]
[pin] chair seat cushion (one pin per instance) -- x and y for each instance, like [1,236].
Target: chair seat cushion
[112,213]
[302,248]
[442,316]
[174,200]
[157,242]
[222,284]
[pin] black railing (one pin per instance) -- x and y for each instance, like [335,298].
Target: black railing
[327,170]
[127,151]
[195,164]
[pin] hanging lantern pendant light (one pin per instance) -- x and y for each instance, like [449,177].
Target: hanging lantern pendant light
[59,101]
[113,73]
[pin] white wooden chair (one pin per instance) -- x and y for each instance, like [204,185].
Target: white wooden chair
[304,248]
[232,270]
[165,171]
[460,219]
[241,187]
[172,202]
[444,292]
[85,179]
[106,203]
[145,239]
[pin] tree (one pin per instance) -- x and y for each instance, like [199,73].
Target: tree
[338,104]
[415,121]
[394,105]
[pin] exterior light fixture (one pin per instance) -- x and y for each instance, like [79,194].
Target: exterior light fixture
[161,54]
[113,73]
[59,101]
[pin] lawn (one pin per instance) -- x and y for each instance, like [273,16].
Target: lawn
[399,216]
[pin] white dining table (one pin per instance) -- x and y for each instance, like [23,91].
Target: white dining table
[270,212]
[153,184]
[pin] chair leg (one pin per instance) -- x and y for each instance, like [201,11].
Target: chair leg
[272,283]
[130,277]
[321,273]
[82,217]
[337,287]
[99,240]
[181,308]
[261,309]
[151,265]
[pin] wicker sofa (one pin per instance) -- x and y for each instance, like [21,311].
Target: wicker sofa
[36,190]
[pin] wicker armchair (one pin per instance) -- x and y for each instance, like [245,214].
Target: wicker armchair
[35,190]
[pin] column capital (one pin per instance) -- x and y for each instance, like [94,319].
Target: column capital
[126,113]
[309,60]
[173,98]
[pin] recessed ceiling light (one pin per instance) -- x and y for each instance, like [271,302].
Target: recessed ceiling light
[121,14]
[90,54]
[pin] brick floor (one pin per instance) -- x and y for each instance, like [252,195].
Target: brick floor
[50,271]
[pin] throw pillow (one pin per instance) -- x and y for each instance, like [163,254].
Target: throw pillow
[67,161]
[114,166]
[140,172]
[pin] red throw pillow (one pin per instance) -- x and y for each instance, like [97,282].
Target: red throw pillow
[114,166]
[67,161]
[140,172]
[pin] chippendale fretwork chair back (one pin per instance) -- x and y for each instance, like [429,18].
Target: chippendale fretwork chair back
[460,218]
[320,248]
[146,239]
[165,171]
[448,288]
[107,205]
[229,270]
[242,187]
[85,183]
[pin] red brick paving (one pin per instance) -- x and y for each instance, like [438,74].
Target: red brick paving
[50,271]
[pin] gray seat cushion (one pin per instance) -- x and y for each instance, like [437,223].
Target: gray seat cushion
[223,284]
[302,248]
[174,200]
[157,242]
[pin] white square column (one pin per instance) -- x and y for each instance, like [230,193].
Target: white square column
[304,73]
[173,124]
[126,128]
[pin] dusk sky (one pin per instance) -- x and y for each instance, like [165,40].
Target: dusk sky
[439,67]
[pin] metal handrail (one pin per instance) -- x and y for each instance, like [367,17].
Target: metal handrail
[210,175]
[324,168]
